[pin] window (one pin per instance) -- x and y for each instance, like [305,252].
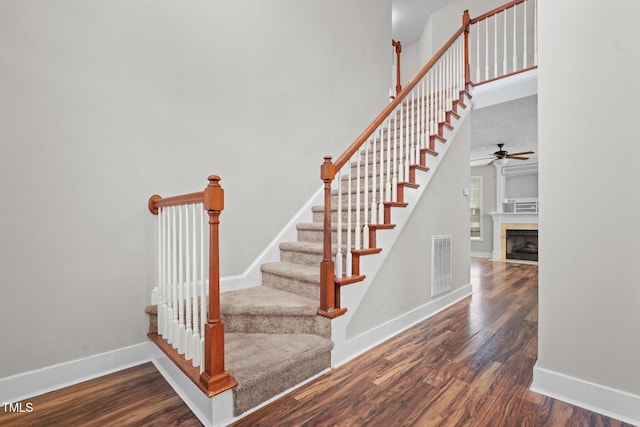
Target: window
[475,202]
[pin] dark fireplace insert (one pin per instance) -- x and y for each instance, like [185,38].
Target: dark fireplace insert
[522,244]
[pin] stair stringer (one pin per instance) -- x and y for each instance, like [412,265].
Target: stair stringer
[346,348]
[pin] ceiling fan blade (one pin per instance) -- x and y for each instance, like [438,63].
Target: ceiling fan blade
[484,158]
[521,153]
[517,157]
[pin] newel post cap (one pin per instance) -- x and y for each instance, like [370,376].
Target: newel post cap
[327,169]
[214,195]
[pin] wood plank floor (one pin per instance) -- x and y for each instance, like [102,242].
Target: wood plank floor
[469,365]
[137,396]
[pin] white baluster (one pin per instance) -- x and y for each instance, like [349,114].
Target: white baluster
[204,245]
[394,180]
[398,131]
[478,79]
[421,116]
[515,25]
[365,228]
[195,336]
[495,45]
[188,331]
[357,235]
[339,229]
[381,168]
[524,53]
[348,260]
[169,275]
[175,334]
[535,32]
[440,89]
[180,284]
[387,189]
[159,309]
[432,115]
[412,129]
[504,44]
[374,179]
[406,131]
[449,80]
[486,49]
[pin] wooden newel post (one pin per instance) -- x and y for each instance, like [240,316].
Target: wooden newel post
[466,22]
[328,286]
[214,378]
[398,46]
[327,269]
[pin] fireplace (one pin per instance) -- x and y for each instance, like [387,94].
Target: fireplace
[521,244]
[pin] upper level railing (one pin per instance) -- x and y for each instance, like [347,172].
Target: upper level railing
[504,41]
[374,171]
[189,283]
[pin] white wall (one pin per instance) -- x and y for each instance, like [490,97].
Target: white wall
[521,185]
[589,272]
[404,280]
[104,103]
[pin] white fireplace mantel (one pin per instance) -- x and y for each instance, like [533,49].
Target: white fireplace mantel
[500,219]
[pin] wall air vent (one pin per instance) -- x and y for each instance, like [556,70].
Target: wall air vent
[441,264]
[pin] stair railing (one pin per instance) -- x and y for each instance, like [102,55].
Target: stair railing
[504,41]
[383,161]
[189,284]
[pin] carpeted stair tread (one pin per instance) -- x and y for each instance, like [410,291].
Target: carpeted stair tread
[305,247]
[298,271]
[266,365]
[266,300]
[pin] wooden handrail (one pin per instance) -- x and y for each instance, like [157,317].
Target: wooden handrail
[496,11]
[156,201]
[353,148]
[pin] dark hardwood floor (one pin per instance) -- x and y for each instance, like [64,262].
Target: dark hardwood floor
[469,365]
[137,396]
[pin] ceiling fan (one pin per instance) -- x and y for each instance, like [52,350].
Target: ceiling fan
[502,155]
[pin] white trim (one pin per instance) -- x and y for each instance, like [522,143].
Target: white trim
[39,381]
[506,89]
[347,349]
[252,276]
[215,411]
[598,398]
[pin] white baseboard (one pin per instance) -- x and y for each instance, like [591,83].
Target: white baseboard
[345,350]
[604,400]
[34,383]
[481,254]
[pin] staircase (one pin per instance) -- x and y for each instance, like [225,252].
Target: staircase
[274,338]
[275,335]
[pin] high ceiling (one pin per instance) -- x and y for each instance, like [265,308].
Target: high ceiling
[409,17]
[513,123]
